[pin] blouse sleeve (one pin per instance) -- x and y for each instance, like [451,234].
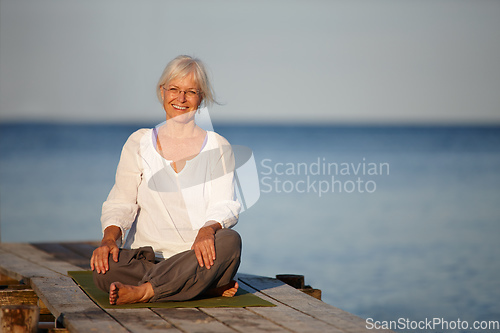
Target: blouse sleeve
[120,208]
[223,205]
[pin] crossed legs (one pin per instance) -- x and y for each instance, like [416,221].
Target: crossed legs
[137,278]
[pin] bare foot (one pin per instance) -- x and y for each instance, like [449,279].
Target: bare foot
[120,293]
[227,291]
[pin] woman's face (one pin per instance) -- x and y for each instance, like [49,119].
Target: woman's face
[181,98]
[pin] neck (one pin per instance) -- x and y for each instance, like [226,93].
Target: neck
[176,129]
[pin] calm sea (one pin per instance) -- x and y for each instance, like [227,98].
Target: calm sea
[389,222]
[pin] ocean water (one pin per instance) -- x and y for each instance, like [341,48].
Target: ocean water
[389,222]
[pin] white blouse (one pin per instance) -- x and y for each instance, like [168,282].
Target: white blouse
[164,209]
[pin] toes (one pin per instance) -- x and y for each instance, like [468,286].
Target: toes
[231,291]
[113,293]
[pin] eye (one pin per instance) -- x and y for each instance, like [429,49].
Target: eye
[191,93]
[173,90]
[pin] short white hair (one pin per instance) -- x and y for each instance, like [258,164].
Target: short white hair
[181,67]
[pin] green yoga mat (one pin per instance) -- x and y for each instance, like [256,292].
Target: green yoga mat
[242,298]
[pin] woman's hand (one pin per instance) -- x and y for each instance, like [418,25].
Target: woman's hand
[99,260]
[204,244]
[100,256]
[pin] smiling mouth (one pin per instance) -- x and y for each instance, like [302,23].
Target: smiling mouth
[177,107]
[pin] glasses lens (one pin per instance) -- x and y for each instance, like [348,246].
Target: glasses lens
[173,91]
[191,94]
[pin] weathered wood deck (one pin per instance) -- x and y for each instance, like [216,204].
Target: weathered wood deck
[44,267]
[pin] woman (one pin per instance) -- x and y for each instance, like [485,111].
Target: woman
[174,194]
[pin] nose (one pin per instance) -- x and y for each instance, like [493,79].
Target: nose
[182,96]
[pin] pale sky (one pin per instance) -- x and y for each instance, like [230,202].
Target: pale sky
[271,61]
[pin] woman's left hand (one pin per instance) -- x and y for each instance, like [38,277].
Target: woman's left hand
[204,245]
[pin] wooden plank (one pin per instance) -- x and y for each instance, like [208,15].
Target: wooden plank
[6,281]
[142,320]
[72,307]
[243,320]
[83,249]
[303,303]
[19,268]
[12,297]
[89,321]
[38,257]
[63,253]
[285,294]
[193,321]
[288,317]
[65,300]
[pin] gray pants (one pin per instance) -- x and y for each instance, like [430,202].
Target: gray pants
[177,278]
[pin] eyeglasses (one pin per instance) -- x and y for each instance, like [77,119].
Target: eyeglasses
[174,92]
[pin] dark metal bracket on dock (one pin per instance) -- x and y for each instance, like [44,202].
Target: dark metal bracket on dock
[297,281]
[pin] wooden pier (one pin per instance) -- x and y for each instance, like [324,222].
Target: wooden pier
[43,268]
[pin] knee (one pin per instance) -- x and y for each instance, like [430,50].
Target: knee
[229,239]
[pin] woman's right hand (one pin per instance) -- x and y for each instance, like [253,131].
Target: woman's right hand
[100,256]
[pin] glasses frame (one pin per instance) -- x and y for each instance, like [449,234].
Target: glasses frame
[175,92]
